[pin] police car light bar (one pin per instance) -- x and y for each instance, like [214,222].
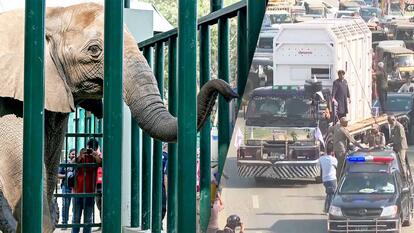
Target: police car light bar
[362,159]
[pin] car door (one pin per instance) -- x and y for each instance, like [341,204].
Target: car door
[404,196]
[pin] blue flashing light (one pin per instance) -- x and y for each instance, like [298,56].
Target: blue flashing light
[356,159]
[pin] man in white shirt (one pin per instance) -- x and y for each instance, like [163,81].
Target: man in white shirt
[328,164]
[407,86]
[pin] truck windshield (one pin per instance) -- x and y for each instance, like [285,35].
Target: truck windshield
[366,183]
[405,60]
[280,18]
[278,107]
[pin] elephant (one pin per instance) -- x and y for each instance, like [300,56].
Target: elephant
[74,77]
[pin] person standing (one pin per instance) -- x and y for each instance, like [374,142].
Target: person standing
[216,208]
[408,86]
[67,175]
[341,140]
[341,95]
[376,138]
[382,86]
[85,183]
[398,139]
[328,164]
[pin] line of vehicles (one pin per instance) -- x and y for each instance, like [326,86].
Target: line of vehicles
[288,105]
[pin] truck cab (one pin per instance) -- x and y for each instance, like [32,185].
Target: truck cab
[373,195]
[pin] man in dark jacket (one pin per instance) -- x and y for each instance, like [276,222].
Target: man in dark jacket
[340,95]
[382,86]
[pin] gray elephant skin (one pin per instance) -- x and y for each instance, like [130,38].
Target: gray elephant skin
[73,77]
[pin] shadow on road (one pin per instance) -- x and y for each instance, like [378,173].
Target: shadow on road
[295,226]
[287,214]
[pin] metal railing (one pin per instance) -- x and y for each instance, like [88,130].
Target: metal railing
[182,46]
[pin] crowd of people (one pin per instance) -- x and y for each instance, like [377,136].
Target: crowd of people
[332,161]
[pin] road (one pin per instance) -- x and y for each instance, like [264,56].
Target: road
[278,207]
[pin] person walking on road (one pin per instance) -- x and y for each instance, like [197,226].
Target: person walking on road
[341,95]
[341,140]
[398,139]
[382,86]
[328,164]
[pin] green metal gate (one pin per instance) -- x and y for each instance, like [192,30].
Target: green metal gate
[182,73]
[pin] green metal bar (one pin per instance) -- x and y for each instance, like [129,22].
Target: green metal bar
[187,115]
[242,60]
[147,168]
[224,111]
[157,157]
[255,13]
[113,115]
[205,136]
[33,121]
[212,18]
[216,5]
[172,208]
[135,174]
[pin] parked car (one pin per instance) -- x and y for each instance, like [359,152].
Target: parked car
[373,194]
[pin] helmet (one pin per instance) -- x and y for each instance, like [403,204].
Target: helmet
[233,221]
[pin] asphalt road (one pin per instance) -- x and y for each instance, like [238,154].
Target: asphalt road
[279,207]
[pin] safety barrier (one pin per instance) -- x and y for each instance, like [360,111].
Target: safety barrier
[182,46]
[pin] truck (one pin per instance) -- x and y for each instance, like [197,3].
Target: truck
[287,125]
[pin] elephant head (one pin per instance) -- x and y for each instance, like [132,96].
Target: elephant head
[74,55]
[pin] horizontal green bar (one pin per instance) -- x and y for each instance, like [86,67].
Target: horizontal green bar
[96,135]
[212,18]
[78,195]
[78,225]
[65,165]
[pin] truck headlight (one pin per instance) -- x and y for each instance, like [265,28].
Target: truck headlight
[389,211]
[335,211]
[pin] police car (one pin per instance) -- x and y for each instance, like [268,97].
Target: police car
[373,195]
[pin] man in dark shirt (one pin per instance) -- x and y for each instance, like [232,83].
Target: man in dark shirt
[340,94]
[382,86]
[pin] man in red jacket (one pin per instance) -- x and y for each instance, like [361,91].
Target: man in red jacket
[85,183]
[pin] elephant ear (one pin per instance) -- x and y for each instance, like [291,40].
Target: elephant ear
[58,97]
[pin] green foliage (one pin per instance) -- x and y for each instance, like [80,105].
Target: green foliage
[169,9]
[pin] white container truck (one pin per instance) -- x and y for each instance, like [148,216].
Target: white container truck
[286,124]
[322,47]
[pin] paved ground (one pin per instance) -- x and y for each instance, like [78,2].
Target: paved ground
[278,207]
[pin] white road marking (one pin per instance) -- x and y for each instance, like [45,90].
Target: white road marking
[255,200]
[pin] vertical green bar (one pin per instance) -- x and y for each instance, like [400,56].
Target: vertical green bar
[216,5]
[157,157]
[224,111]
[33,121]
[147,167]
[242,60]
[135,174]
[187,115]
[113,115]
[205,137]
[255,13]
[172,208]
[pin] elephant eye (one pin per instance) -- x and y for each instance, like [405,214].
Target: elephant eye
[94,50]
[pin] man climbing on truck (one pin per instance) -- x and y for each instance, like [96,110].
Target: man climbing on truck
[340,94]
[341,140]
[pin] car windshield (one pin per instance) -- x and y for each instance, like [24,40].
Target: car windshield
[278,107]
[398,103]
[366,183]
[280,18]
[404,60]
[404,34]
[368,12]
[315,11]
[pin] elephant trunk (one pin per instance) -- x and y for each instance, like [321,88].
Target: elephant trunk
[142,96]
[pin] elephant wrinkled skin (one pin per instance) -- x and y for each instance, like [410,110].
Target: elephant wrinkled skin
[74,77]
